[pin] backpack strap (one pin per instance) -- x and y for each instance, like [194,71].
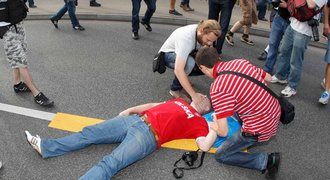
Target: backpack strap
[251,79]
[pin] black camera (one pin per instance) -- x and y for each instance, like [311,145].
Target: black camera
[313,23]
[190,157]
[276,3]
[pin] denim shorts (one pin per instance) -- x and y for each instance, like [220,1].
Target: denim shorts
[327,54]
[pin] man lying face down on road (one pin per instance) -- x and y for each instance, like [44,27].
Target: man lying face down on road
[140,130]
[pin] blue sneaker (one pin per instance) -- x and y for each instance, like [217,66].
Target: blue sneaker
[324,99]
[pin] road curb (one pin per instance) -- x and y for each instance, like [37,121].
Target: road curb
[155,19]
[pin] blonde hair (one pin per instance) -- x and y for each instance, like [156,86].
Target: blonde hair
[207,26]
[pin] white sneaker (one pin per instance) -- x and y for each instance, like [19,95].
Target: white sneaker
[34,141]
[288,91]
[323,83]
[324,99]
[276,80]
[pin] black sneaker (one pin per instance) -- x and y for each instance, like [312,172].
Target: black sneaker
[79,27]
[229,38]
[32,6]
[135,35]
[245,39]
[55,23]
[42,100]
[273,164]
[146,25]
[21,87]
[174,12]
[263,56]
[94,4]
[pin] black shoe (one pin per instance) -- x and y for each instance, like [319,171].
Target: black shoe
[32,6]
[94,4]
[135,35]
[21,87]
[146,25]
[263,19]
[273,164]
[174,12]
[79,27]
[54,22]
[42,100]
[75,2]
[263,56]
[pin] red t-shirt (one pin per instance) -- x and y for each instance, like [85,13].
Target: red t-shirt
[259,110]
[175,119]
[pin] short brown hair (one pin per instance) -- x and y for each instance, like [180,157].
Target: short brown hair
[208,26]
[207,56]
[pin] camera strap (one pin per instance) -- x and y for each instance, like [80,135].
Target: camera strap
[189,158]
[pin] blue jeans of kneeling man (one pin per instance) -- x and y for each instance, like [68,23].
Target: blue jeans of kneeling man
[135,138]
[230,153]
[190,68]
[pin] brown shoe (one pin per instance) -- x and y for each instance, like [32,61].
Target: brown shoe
[180,94]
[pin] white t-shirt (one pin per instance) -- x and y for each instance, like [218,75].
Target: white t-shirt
[182,41]
[303,27]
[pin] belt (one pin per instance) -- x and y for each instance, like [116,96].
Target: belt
[145,119]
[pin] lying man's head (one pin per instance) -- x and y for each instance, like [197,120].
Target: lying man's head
[204,107]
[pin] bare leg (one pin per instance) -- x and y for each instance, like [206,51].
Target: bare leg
[247,29]
[172,4]
[236,27]
[25,75]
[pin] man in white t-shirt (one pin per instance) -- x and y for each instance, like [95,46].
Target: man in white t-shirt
[292,50]
[179,48]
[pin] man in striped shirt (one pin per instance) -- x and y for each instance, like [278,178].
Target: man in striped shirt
[258,110]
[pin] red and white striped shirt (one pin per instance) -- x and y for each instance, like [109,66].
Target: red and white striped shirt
[259,110]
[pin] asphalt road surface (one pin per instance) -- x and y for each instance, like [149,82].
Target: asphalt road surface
[101,71]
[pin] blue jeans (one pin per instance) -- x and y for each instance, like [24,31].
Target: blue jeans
[71,8]
[151,8]
[262,9]
[279,26]
[183,2]
[225,7]
[31,2]
[327,54]
[292,50]
[190,69]
[135,138]
[230,153]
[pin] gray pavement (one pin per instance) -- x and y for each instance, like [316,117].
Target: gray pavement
[115,10]
[101,71]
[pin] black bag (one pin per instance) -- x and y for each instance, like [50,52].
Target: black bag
[17,10]
[3,31]
[3,12]
[287,109]
[159,63]
[189,158]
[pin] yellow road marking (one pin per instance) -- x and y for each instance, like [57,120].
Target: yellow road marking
[75,123]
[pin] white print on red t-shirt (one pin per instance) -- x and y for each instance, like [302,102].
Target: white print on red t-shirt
[186,109]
